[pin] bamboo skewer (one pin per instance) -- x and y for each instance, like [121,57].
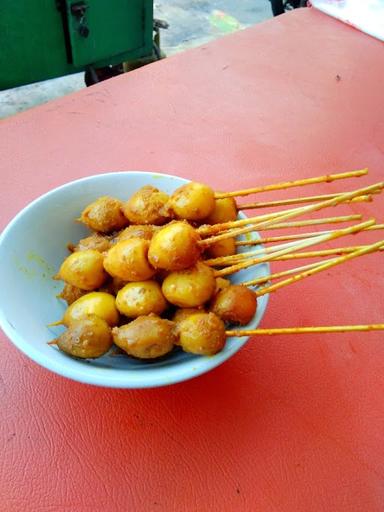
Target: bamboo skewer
[305,243]
[297,183]
[300,200]
[324,266]
[248,229]
[298,236]
[237,258]
[306,330]
[314,222]
[292,213]
[277,275]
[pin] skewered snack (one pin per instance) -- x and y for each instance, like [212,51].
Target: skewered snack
[104,215]
[191,287]
[235,304]
[128,260]
[147,337]
[141,298]
[86,338]
[144,270]
[83,269]
[146,206]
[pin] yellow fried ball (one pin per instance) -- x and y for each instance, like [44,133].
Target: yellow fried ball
[104,215]
[128,260]
[193,201]
[146,337]
[136,231]
[174,247]
[225,247]
[225,210]
[100,304]
[88,337]
[235,304]
[190,288]
[83,269]
[140,298]
[221,283]
[202,333]
[146,206]
[95,241]
[183,313]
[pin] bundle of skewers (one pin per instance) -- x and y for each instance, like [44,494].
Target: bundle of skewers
[156,270]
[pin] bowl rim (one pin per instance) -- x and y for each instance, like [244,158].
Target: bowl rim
[94,375]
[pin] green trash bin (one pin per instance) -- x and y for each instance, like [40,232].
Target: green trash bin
[42,39]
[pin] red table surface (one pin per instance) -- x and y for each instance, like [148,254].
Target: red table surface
[289,423]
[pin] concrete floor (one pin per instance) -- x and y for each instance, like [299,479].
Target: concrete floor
[192,23]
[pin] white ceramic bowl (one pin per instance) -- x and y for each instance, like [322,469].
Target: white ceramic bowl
[32,248]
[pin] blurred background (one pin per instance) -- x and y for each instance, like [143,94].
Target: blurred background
[191,23]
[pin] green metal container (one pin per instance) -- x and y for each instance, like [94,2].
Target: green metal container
[41,39]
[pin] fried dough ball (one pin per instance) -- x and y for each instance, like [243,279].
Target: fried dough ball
[83,269]
[235,304]
[104,215]
[136,231]
[190,288]
[95,241]
[225,210]
[71,293]
[221,283]
[100,304]
[88,337]
[146,206]
[225,247]
[174,247]
[147,337]
[202,333]
[141,298]
[183,313]
[193,201]
[128,260]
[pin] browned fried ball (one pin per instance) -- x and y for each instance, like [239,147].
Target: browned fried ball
[225,247]
[225,210]
[193,201]
[71,293]
[146,206]
[174,247]
[202,333]
[146,337]
[235,304]
[136,231]
[128,260]
[183,313]
[104,215]
[95,241]
[88,337]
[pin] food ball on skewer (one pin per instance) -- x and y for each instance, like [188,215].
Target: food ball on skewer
[193,201]
[174,247]
[235,304]
[141,298]
[146,337]
[95,241]
[86,338]
[226,247]
[146,206]
[83,269]
[225,210]
[100,304]
[202,334]
[136,231]
[190,288]
[183,313]
[104,215]
[128,260]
